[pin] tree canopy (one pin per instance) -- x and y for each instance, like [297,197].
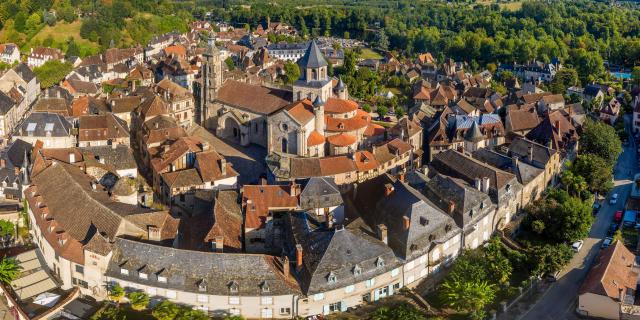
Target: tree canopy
[52,72]
[601,140]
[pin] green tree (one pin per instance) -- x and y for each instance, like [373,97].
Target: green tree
[400,312]
[496,263]
[564,78]
[468,295]
[109,312]
[635,75]
[188,313]
[230,64]
[596,172]
[547,259]
[166,310]
[9,270]
[617,236]
[139,300]
[52,72]
[292,72]
[116,293]
[7,228]
[600,139]
[538,226]
[382,110]
[399,111]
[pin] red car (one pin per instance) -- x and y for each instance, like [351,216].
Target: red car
[618,216]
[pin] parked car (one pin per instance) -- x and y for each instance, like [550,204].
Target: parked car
[553,277]
[576,246]
[618,216]
[614,199]
[596,208]
[613,227]
[606,242]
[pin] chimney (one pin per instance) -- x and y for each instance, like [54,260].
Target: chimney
[219,243]
[153,233]
[452,207]
[401,176]
[298,257]
[93,186]
[72,157]
[295,189]
[556,124]
[223,165]
[530,154]
[382,233]
[477,183]
[205,146]
[485,184]
[285,266]
[516,162]
[406,223]
[388,189]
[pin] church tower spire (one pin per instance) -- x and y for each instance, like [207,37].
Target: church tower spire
[314,80]
[211,77]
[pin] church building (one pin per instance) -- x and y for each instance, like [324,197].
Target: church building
[314,119]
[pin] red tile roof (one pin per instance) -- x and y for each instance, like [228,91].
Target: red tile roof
[315,138]
[335,105]
[258,200]
[342,139]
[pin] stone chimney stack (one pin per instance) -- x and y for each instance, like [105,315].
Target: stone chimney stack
[285,266]
[388,189]
[406,223]
[219,244]
[153,233]
[382,233]
[485,184]
[298,257]
[72,157]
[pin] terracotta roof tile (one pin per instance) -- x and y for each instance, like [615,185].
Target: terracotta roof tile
[342,139]
[335,105]
[258,200]
[315,138]
[253,98]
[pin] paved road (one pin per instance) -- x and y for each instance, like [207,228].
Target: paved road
[559,301]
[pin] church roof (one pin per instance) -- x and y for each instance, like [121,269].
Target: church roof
[312,57]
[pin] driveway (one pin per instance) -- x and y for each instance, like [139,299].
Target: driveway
[559,302]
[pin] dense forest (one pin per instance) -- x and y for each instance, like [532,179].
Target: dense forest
[580,33]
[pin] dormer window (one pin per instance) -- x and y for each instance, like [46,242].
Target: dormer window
[124,271]
[233,287]
[447,228]
[202,285]
[265,287]
[481,205]
[357,270]
[162,279]
[331,278]
[507,187]
[143,275]
[379,263]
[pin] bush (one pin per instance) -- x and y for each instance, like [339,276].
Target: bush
[138,300]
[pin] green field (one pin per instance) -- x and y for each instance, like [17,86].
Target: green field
[61,32]
[369,54]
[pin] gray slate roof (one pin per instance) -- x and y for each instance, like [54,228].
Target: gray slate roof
[471,204]
[39,122]
[337,252]
[185,269]
[312,58]
[24,72]
[540,155]
[320,192]
[428,224]
[120,157]
[6,103]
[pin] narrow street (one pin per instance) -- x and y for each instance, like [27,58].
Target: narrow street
[559,302]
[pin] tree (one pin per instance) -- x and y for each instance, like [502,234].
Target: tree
[382,111]
[635,75]
[565,218]
[600,139]
[138,300]
[382,41]
[468,295]
[52,72]
[7,228]
[72,48]
[116,293]
[538,226]
[400,312]
[547,259]
[564,78]
[230,64]
[190,314]
[292,72]
[617,236]
[399,112]
[9,270]
[109,312]
[366,107]
[166,310]
[496,263]
[574,184]
[596,172]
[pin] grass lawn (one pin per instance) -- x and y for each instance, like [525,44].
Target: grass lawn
[62,31]
[368,53]
[511,6]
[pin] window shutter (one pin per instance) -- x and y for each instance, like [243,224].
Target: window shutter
[343,306]
[325,309]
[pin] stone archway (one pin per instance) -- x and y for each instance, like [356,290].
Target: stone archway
[231,130]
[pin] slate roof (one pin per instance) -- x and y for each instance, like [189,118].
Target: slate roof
[470,204]
[338,252]
[428,224]
[312,58]
[320,192]
[23,70]
[249,272]
[541,155]
[523,171]
[15,152]
[40,120]
[120,157]
[6,103]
